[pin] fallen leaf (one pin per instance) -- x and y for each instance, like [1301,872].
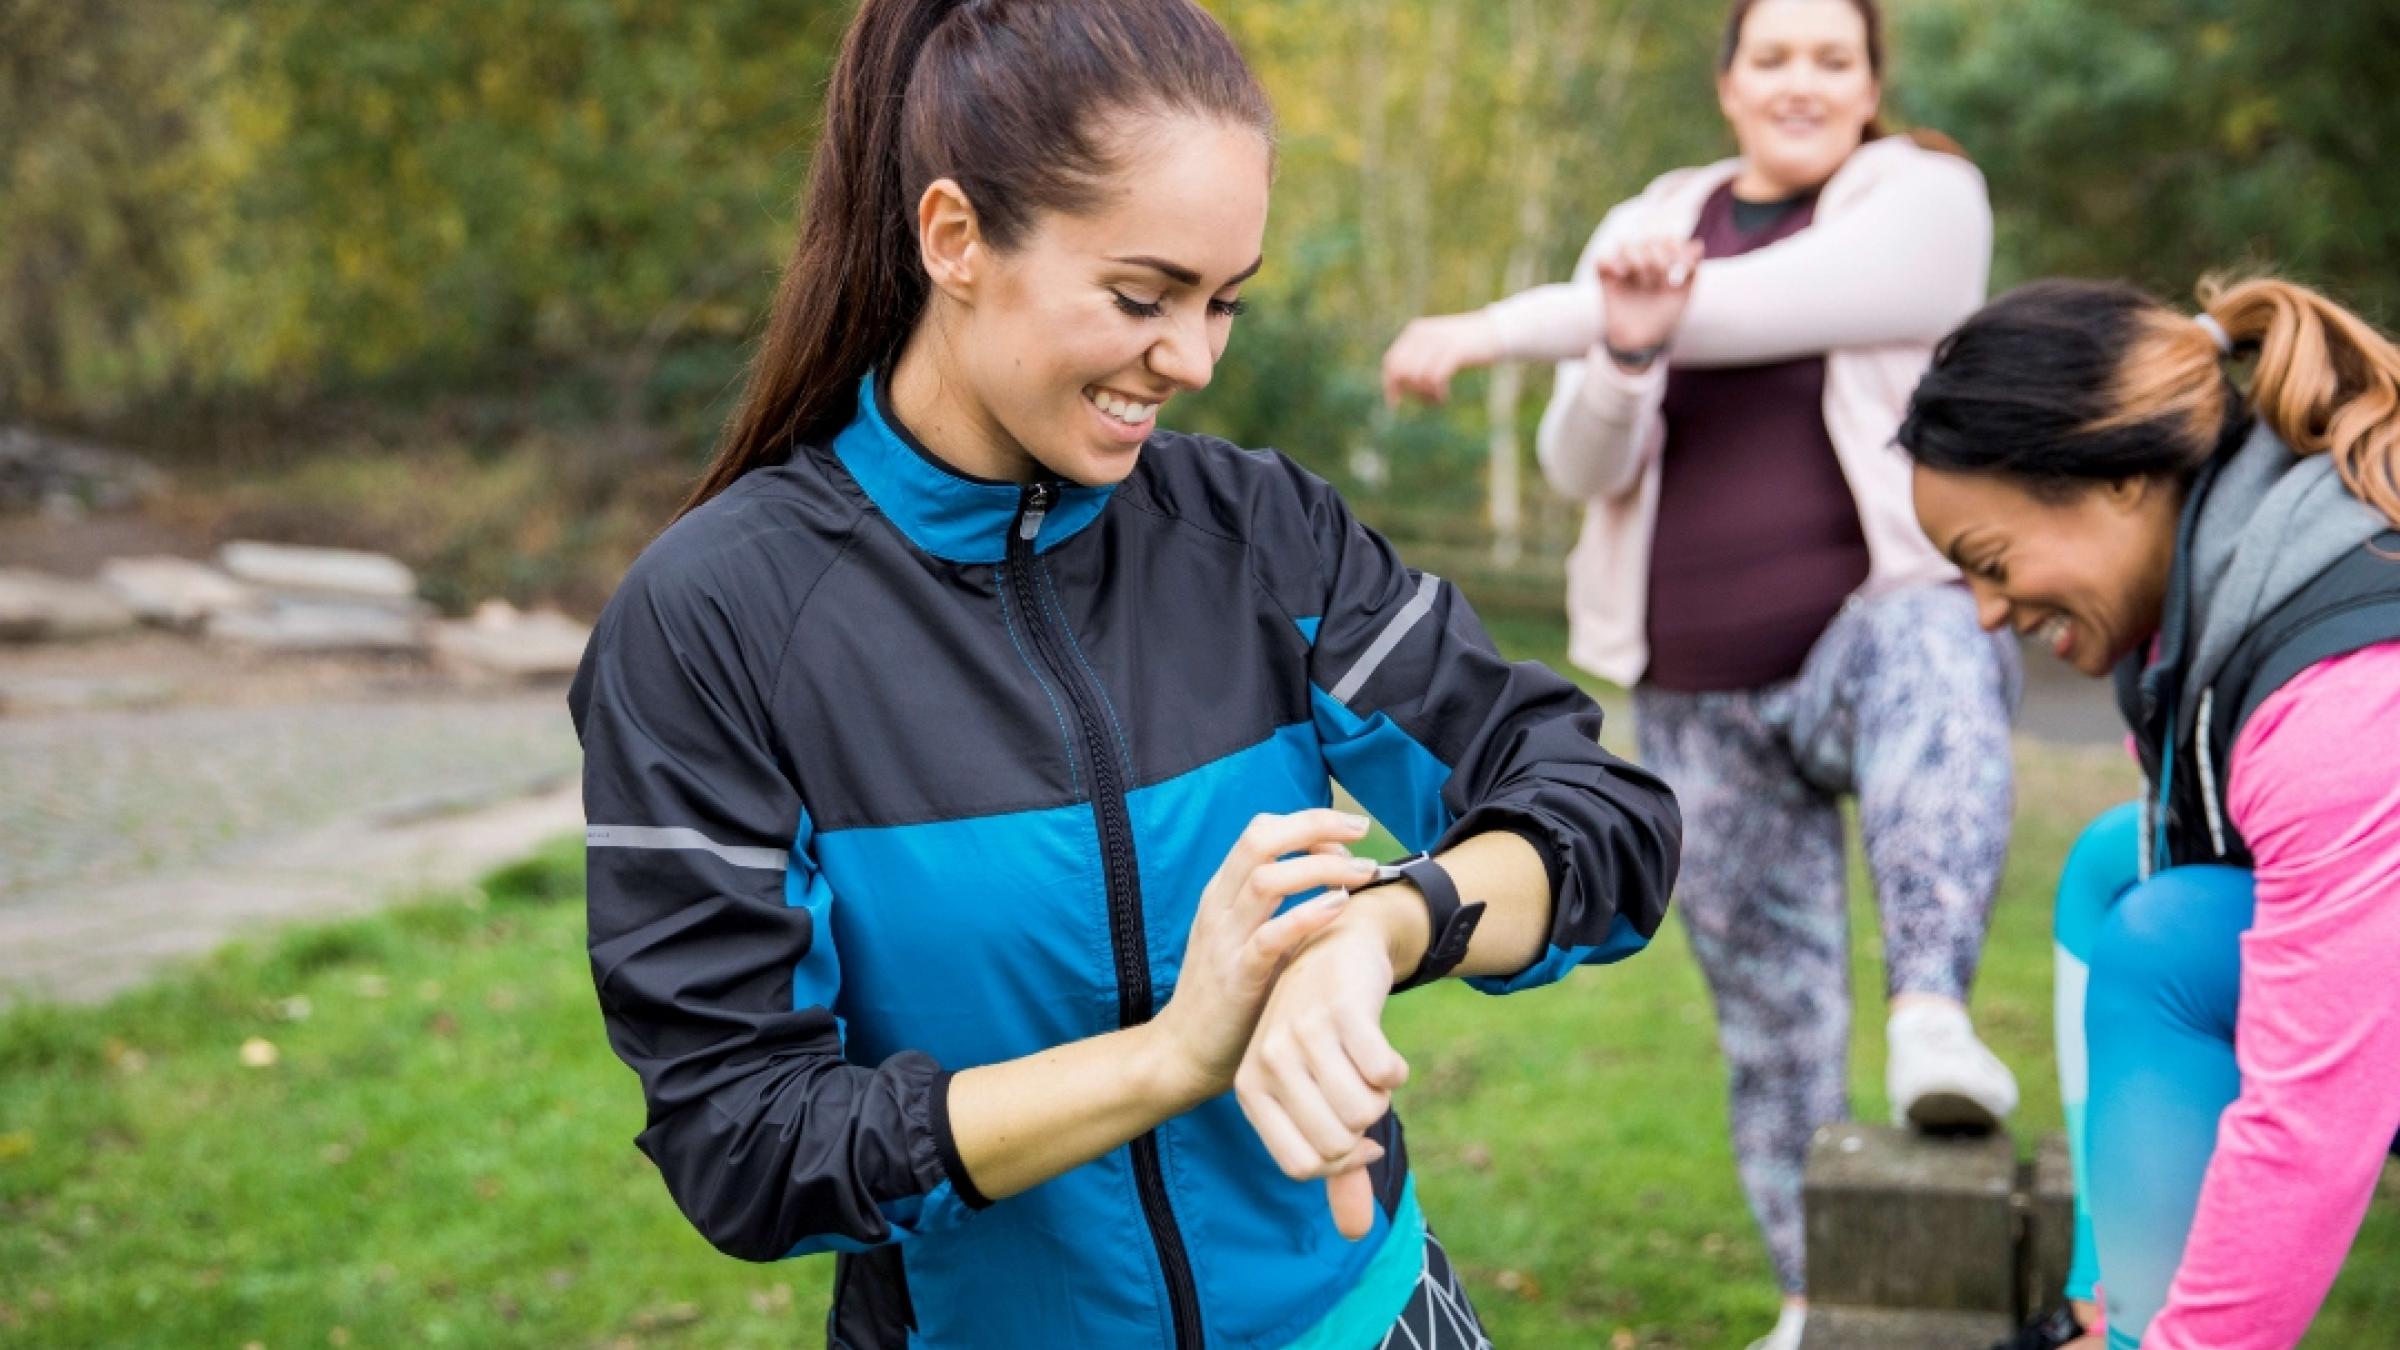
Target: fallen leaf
[260,1053]
[1519,1283]
[442,1024]
[670,1316]
[338,1336]
[1622,1339]
[1477,1157]
[15,1144]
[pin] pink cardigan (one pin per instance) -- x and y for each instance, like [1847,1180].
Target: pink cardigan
[1897,257]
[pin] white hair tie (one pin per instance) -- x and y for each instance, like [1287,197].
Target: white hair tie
[2216,332]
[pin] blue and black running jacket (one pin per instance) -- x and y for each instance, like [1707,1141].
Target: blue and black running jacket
[891,773]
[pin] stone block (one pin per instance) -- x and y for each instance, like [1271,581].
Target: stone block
[1902,1221]
[502,641]
[174,592]
[291,624]
[1833,1327]
[2046,1193]
[321,571]
[38,607]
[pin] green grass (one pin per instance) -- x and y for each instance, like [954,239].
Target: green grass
[440,1153]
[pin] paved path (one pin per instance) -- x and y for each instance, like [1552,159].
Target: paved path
[94,797]
[83,943]
[131,837]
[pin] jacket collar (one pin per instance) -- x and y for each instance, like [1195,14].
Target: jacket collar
[951,515]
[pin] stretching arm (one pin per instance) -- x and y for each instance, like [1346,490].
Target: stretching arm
[1905,262]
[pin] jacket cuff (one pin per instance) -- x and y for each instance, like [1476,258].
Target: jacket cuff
[1548,839]
[945,1143]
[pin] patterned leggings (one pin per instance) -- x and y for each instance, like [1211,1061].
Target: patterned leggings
[1438,1316]
[1905,703]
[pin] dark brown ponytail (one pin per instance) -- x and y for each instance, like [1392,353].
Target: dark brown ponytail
[1007,98]
[2326,380]
[2061,384]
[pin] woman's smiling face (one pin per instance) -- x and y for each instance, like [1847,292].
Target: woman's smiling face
[2085,571]
[1070,341]
[1800,90]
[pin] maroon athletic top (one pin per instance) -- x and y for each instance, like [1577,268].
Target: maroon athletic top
[1758,541]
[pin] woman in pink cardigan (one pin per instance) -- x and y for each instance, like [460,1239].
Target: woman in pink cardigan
[1735,351]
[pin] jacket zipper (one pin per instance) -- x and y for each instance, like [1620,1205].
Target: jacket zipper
[1124,886]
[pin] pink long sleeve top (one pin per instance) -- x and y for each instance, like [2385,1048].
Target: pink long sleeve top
[1897,256]
[2315,790]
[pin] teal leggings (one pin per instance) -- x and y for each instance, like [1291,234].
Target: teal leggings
[2149,978]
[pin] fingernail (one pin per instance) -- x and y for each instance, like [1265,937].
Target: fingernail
[1364,867]
[1352,822]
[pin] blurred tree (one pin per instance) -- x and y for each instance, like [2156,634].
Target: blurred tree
[274,195]
[1434,156]
[2160,139]
[107,126]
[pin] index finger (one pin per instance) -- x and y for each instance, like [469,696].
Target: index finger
[1351,1195]
[1267,838]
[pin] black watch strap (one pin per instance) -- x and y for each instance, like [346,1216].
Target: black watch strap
[1449,924]
[1634,359]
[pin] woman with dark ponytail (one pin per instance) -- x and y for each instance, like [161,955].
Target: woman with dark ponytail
[954,761]
[2228,1023]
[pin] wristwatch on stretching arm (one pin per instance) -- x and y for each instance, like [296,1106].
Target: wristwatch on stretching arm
[1449,925]
[1633,360]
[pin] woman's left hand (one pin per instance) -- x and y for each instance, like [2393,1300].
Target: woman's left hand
[1319,1072]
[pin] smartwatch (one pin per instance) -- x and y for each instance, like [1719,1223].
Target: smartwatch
[1449,925]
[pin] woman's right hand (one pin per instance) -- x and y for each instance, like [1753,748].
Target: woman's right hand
[1430,350]
[1239,943]
[1644,289]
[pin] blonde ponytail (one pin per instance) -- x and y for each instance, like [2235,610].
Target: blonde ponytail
[2325,379]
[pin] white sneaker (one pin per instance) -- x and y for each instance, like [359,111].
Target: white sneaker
[1940,1077]
[1786,1335]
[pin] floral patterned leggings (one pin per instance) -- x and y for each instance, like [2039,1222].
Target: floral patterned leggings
[1905,704]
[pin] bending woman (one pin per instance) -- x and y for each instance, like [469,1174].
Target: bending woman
[2232,557]
[1736,349]
[950,759]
